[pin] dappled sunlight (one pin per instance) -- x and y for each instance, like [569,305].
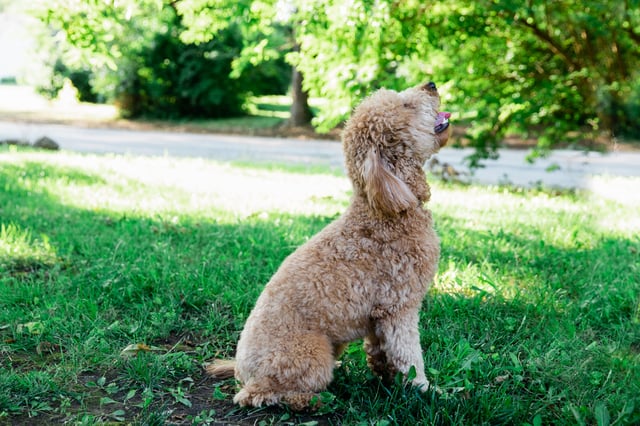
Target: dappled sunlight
[469,200]
[191,185]
[514,245]
[614,191]
[463,280]
[240,190]
[490,209]
[20,251]
[23,102]
[620,189]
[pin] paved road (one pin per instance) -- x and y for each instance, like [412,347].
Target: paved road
[572,169]
[214,146]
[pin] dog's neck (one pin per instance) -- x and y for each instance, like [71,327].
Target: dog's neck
[413,175]
[417,182]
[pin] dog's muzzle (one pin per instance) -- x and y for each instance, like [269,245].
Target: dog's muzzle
[442,122]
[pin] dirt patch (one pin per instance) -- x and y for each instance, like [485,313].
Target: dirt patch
[203,408]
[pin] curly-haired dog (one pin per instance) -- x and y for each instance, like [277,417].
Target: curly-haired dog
[364,275]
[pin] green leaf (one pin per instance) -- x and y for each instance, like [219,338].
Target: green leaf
[118,415]
[218,394]
[184,401]
[537,420]
[105,400]
[412,374]
[602,414]
[130,395]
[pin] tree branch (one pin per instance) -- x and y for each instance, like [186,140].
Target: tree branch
[629,30]
[545,37]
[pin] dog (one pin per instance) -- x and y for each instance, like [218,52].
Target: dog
[362,277]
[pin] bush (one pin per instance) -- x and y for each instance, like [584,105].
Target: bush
[79,77]
[173,79]
[160,76]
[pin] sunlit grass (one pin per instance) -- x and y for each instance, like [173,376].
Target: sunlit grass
[19,251]
[269,106]
[534,316]
[156,186]
[24,104]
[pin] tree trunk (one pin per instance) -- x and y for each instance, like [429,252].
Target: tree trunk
[300,112]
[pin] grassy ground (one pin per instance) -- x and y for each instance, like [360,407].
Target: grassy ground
[120,276]
[21,103]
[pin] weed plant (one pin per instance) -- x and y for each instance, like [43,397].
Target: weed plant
[121,276]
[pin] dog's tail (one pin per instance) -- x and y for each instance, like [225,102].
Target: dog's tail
[222,368]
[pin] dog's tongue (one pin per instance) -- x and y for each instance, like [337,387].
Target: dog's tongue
[442,117]
[442,122]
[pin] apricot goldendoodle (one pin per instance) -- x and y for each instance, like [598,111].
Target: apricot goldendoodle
[364,275]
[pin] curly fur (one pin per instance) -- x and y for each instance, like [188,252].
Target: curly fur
[363,276]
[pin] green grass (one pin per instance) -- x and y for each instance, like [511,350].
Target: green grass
[120,276]
[21,103]
[250,124]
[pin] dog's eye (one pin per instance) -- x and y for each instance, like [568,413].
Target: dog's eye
[409,105]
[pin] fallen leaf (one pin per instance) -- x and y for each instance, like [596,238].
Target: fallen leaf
[32,327]
[47,347]
[502,378]
[135,348]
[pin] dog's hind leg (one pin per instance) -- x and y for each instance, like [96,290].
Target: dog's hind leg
[302,400]
[293,372]
[257,395]
[376,358]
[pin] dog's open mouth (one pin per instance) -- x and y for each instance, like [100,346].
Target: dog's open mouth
[442,122]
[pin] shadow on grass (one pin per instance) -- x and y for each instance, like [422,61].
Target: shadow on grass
[186,288]
[116,279]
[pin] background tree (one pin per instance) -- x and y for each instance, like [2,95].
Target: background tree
[134,55]
[549,71]
[269,30]
[347,49]
[595,46]
[545,70]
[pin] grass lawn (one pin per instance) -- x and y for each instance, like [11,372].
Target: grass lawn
[22,103]
[120,276]
[265,115]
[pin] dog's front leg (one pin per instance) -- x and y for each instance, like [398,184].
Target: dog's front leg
[399,339]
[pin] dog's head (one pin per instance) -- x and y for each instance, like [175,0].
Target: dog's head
[387,141]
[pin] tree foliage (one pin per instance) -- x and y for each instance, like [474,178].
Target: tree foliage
[542,69]
[134,55]
[347,49]
[268,30]
[549,70]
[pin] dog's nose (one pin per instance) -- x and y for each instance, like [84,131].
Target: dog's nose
[429,87]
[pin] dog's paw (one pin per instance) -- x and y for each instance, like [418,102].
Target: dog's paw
[428,387]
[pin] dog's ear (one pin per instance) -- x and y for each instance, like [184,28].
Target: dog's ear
[385,191]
